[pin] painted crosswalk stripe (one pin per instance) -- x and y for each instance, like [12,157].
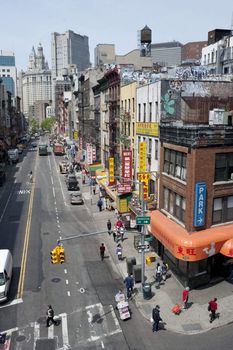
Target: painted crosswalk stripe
[36,333]
[51,332]
[114,317]
[64,329]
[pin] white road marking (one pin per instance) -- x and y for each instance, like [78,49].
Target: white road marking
[51,332]
[65,271]
[104,335]
[55,203]
[102,344]
[67,282]
[60,182]
[36,333]
[68,293]
[52,180]
[114,316]
[58,226]
[65,330]
[4,210]
[13,302]
[53,192]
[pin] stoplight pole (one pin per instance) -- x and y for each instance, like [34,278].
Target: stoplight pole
[83,235]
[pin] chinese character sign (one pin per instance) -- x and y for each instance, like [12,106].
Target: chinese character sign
[200,204]
[111,171]
[93,153]
[142,156]
[126,166]
[145,177]
[89,153]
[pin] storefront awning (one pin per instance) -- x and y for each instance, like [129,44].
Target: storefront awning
[188,246]
[227,248]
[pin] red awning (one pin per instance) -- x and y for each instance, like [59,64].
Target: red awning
[227,248]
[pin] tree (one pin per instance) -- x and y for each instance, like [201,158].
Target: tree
[48,123]
[34,125]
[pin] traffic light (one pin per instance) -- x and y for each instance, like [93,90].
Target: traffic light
[55,258]
[61,255]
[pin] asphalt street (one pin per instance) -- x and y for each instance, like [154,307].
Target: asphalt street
[82,290]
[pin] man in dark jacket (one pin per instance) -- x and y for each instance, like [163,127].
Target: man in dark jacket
[50,316]
[156,318]
[109,226]
[129,283]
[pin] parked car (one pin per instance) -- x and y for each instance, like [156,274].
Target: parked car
[13,155]
[34,144]
[76,198]
[72,183]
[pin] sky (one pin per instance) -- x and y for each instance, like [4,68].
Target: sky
[25,23]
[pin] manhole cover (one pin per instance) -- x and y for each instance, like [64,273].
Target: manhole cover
[55,280]
[48,344]
[20,338]
[192,327]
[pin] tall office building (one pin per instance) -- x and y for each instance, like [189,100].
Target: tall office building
[8,72]
[36,82]
[69,48]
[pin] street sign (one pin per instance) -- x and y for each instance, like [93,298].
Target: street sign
[124,188]
[142,220]
[143,247]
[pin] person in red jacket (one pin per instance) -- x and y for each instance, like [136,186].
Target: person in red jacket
[185,297]
[213,306]
[102,251]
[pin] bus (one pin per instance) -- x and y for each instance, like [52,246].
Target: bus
[43,150]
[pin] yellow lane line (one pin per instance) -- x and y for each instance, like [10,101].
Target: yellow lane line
[26,242]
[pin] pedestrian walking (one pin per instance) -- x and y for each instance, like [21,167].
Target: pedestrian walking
[212,307]
[114,235]
[102,251]
[94,189]
[119,251]
[158,273]
[129,283]
[109,226]
[164,271]
[156,318]
[185,297]
[50,316]
[100,204]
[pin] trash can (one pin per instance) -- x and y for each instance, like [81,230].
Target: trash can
[137,271]
[130,262]
[146,291]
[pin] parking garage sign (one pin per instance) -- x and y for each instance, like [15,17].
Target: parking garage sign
[200,204]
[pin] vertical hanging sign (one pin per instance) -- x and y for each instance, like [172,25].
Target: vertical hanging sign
[200,204]
[142,157]
[111,171]
[126,166]
[89,153]
[145,177]
[93,153]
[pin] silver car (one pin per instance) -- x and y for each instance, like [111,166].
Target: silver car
[76,198]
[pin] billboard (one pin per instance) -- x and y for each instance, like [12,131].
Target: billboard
[142,157]
[126,166]
[111,170]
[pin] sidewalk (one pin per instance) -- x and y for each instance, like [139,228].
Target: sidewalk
[191,321]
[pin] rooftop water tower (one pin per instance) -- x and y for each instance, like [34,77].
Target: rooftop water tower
[145,41]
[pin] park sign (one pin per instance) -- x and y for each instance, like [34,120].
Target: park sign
[142,220]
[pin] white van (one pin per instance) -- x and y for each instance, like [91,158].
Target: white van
[6,265]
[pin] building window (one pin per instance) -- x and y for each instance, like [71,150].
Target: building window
[144,112]
[156,112]
[156,149]
[174,204]
[133,105]
[139,112]
[149,146]
[150,111]
[224,166]
[125,105]
[129,105]
[223,210]
[175,163]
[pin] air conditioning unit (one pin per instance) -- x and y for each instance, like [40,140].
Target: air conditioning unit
[217,117]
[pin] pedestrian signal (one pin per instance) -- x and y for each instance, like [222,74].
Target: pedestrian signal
[61,255]
[54,256]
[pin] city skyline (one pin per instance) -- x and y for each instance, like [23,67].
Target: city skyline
[95,19]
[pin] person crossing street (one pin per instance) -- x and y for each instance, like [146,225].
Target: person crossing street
[50,316]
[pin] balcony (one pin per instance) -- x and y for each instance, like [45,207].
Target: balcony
[194,136]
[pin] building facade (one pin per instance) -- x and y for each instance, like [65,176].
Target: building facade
[192,51]
[166,54]
[36,82]
[193,226]
[8,71]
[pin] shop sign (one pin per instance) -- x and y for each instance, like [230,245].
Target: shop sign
[76,135]
[126,166]
[142,156]
[145,177]
[89,154]
[124,188]
[200,204]
[111,171]
[94,153]
[123,205]
[149,129]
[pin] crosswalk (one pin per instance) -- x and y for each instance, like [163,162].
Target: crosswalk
[92,323]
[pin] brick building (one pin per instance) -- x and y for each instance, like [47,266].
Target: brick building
[192,51]
[193,227]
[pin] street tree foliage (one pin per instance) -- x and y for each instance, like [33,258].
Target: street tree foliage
[34,125]
[47,124]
